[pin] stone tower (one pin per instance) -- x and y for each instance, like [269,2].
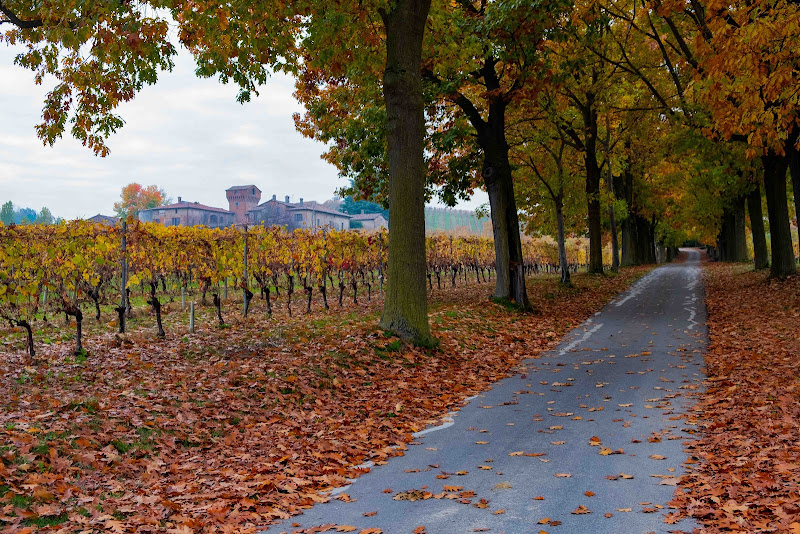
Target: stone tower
[242,198]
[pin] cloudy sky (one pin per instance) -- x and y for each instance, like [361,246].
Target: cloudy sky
[187,135]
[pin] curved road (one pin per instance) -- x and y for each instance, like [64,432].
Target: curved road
[593,427]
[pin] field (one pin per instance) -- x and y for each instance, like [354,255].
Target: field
[231,427]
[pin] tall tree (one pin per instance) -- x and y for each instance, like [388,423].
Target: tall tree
[7,213]
[480,61]
[406,309]
[742,57]
[103,53]
[549,185]
[135,198]
[44,217]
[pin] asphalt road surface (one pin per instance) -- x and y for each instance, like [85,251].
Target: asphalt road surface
[593,427]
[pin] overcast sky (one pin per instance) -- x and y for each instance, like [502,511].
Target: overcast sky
[187,135]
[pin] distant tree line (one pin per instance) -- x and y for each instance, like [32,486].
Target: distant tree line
[11,215]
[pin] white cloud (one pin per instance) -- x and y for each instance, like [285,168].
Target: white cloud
[184,134]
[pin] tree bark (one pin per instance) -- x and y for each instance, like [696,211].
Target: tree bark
[778,212]
[510,279]
[794,169]
[593,190]
[562,249]
[739,250]
[405,310]
[614,240]
[611,215]
[760,254]
[499,182]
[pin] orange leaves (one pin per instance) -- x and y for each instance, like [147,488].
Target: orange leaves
[170,429]
[750,407]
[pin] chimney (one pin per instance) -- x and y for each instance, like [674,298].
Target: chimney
[287,199]
[179,200]
[274,197]
[301,201]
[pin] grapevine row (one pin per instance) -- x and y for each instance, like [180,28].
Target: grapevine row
[63,268]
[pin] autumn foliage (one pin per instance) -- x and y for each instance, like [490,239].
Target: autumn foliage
[135,198]
[228,429]
[745,476]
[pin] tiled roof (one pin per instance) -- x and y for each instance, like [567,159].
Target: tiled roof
[242,187]
[367,216]
[100,217]
[190,205]
[315,208]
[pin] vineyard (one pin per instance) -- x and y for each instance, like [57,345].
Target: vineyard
[78,266]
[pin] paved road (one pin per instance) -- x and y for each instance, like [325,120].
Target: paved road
[523,452]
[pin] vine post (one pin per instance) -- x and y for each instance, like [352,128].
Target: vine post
[123,303]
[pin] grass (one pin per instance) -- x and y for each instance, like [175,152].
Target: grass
[46,520]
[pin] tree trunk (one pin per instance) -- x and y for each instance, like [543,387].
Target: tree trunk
[593,190]
[760,256]
[562,249]
[739,248]
[794,169]
[611,215]
[778,212]
[405,310]
[725,236]
[628,227]
[509,275]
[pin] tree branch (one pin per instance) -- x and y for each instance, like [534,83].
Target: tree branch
[16,21]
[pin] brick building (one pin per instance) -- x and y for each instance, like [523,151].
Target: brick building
[244,208]
[241,199]
[297,215]
[189,214]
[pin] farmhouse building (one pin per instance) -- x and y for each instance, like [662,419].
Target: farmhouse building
[244,209]
[297,215]
[370,221]
[188,214]
[104,219]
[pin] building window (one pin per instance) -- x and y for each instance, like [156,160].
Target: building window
[176,221]
[254,190]
[237,203]
[176,211]
[213,219]
[298,217]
